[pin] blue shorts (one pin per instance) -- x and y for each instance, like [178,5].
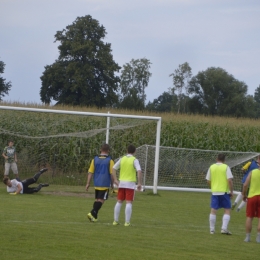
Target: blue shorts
[220,201]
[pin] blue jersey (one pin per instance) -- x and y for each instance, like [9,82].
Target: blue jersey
[254,165]
[102,177]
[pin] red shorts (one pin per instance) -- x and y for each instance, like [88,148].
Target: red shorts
[125,194]
[253,207]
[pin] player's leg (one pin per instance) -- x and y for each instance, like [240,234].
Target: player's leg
[7,169]
[38,174]
[100,197]
[213,212]
[128,208]
[117,209]
[15,170]
[258,216]
[225,203]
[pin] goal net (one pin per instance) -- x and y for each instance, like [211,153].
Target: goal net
[65,142]
[186,169]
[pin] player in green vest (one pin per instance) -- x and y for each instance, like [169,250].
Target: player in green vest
[219,178]
[129,167]
[253,202]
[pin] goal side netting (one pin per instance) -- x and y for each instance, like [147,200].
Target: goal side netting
[65,142]
[186,169]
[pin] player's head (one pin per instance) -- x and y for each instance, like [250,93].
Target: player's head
[7,181]
[104,148]
[10,142]
[131,149]
[221,157]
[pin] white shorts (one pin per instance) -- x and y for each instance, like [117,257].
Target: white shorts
[13,166]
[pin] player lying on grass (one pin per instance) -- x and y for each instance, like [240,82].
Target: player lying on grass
[15,187]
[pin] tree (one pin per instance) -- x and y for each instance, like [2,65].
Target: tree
[4,86]
[135,76]
[84,73]
[164,103]
[181,77]
[257,100]
[218,93]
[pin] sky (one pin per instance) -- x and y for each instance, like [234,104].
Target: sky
[204,33]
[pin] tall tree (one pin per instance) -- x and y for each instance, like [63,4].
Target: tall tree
[218,93]
[257,100]
[135,75]
[181,77]
[4,86]
[84,73]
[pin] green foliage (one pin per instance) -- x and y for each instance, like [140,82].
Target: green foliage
[4,86]
[52,224]
[219,93]
[134,79]
[84,73]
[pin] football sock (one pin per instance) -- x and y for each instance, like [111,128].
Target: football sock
[241,205]
[212,221]
[247,239]
[238,198]
[258,237]
[117,211]
[96,207]
[225,221]
[128,212]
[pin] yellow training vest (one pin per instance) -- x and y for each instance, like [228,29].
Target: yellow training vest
[127,169]
[218,178]
[254,188]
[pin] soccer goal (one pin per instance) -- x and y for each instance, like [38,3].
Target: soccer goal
[66,141]
[185,169]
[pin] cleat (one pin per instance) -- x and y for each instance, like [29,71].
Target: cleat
[91,218]
[238,209]
[44,184]
[247,239]
[115,223]
[43,170]
[225,232]
[234,205]
[127,224]
[212,232]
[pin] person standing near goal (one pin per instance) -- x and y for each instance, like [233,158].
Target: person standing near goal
[220,180]
[101,168]
[247,168]
[9,153]
[128,166]
[252,197]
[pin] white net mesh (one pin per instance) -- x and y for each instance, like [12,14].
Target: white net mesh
[187,168]
[65,144]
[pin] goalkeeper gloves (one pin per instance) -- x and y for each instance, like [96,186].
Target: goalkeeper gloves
[13,193]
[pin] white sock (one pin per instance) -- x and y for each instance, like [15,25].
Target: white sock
[212,221]
[117,211]
[238,198]
[242,204]
[128,212]
[258,238]
[225,221]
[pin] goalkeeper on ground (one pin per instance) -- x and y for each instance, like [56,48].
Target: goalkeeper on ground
[247,168]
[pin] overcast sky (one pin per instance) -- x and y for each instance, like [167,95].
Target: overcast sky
[204,33]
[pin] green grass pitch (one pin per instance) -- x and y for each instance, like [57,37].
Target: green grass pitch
[53,224]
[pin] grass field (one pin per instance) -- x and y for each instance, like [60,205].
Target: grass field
[170,225]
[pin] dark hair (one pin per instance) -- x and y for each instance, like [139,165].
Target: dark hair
[105,148]
[5,180]
[9,141]
[131,149]
[221,157]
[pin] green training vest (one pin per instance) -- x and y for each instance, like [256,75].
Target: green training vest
[254,188]
[218,178]
[127,169]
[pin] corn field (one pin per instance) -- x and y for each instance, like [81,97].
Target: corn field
[67,143]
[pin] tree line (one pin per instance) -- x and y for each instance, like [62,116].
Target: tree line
[85,74]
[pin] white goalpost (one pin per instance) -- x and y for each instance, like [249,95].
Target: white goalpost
[54,147]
